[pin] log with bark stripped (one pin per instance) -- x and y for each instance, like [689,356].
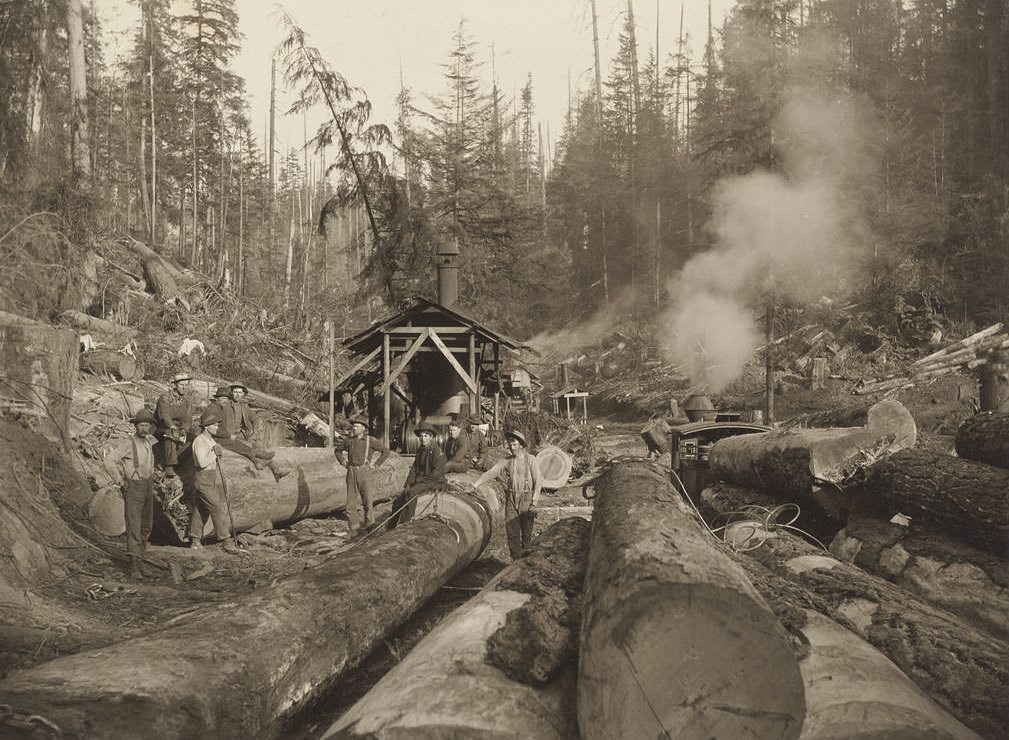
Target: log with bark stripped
[241,668]
[966,500]
[958,578]
[887,414]
[985,438]
[110,362]
[964,669]
[452,684]
[673,635]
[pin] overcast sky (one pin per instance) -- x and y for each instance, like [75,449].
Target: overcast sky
[370,40]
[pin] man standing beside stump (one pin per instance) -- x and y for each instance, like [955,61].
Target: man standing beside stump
[132,463]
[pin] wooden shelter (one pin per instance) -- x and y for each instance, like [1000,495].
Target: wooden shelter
[443,353]
[566,396]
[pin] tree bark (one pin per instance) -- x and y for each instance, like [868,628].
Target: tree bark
[449,685]
[80,140]
[888,415]
[965,581]
[673,633]
[966,500]
[240,669]
[985,438]
[317,485]
[964,669]
[38,369]
[109,362]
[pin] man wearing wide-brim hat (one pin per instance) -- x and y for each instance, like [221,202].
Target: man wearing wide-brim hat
[174,414]
[358,457]
[426,474]
[131,464]
[522,482]
[208,496]
[238,422]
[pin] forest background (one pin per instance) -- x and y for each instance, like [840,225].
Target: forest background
[845,154]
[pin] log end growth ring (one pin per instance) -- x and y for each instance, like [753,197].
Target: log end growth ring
[699,663]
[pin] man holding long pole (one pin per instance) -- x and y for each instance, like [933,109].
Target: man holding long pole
[208,494]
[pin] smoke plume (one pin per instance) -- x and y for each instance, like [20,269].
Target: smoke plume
[799,233]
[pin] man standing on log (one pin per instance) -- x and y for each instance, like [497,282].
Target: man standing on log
[522,491]
[427,473]
[457,448]
[174,413]
[208,496]
[132,463]
[357,458]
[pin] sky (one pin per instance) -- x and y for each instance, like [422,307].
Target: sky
[371,41]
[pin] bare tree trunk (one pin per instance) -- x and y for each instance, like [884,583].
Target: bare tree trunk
[196,228]
[154,140]
[290,258]
[142,161]
[35,97]
[80,139]
[240,267]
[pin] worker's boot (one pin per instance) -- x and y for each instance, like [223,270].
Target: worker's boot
[278,470]
[135,573]
[230,547]
[195,543]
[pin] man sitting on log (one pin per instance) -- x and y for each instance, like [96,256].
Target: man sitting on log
[174,414]
[522,490]
[208,495]
[426,474]
[237,426]
[132,463]
[457,448]
[357,458]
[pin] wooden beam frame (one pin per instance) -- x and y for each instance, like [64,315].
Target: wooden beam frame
[404,359]
[360,364]
[414,330]
[386,401]
[470,382]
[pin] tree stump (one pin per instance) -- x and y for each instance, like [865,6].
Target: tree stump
[994,378]
[38,369]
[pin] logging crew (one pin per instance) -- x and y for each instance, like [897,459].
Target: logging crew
[174,413]
[208,498]
[427,473]
[358,458]
[131,462]
[522,481]
[457,448]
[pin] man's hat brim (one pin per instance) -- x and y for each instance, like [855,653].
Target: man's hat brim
[179,377]
[517,435]
[238,385]
[425,428]
[362,420]
[143,417]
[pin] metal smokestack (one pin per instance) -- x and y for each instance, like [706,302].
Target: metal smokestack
[448,273]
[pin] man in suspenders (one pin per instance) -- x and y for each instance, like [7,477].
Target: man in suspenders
[522,481]
[357,458]
[132,463]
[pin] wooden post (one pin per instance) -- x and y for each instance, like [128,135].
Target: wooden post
[474,398]
[332,383]
[994,377]
[567,407]
[497,375]
[585,409]
[386,399]
[768,363]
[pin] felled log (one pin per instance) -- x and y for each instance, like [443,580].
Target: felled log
[109,362]
[38,369]
[240,669]
[888,415]
[94,324]
[796,463]
[972,340]
[962,668]
[985,438]
[317,485]
[965,581]
[673,634]
[854,692]
[450,684]
[966,500]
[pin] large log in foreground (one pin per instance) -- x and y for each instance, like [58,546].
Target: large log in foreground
[957,577]
[240,668]
[966,500]
[985,438]
[448,686]
[675,642]
[964,669]
[853,692]
[317,485]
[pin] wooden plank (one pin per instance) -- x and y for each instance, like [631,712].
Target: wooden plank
[452,361]
[360,364]
[416,330]
[386,401]
[474,399]
[404,360]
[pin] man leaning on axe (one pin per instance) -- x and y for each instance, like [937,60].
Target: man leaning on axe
[208,495]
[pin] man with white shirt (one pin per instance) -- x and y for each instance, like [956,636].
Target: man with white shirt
[131,463]
[208,496]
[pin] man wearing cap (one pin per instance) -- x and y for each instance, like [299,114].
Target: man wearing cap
[208,496]
[457,448]
[238,420]
[357,457]
[237,427]
[522,482]
[427,473]
[131,463]
[174,414]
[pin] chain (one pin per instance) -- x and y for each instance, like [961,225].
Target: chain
[33,723]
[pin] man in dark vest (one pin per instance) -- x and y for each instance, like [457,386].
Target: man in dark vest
[174,413]
[457,448]
[238,423]
[357,457]
[426,474]
[131,462]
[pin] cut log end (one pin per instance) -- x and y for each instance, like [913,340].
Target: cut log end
[711,663]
